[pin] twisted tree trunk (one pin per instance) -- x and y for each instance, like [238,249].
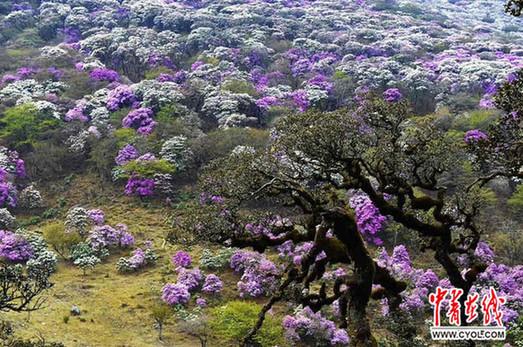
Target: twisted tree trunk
[360,285]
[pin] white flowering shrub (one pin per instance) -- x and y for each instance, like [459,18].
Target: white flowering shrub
[7,221]
[30,198]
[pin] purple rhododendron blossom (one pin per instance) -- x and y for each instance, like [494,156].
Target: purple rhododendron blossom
[120,96]
[139,186]
[181,259]
[103,74]
[14,248]
[212,284]
[141,120]
[126,154]
[392,95]
[474,136]
[97,216]
[175,294]
[368,218]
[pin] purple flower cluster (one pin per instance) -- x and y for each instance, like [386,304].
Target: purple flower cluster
[126,154]
[8,194]
[180,77]
[422,282]
[399,263]
[26,72]
[137,258]
[212,284]
[104,74]
[301,67]
[72,35]
[105,236]
[201,302]
[141,187]
[259,275]
[191,279]
[140,119]
[20,168]
[320,81]
[14,248]
[313,329]
[97,216]
[175,294]
[120,96]
[206,198]
[164,77]
[368,218]
[267,102]
[9,78]
[77,113]
[301,99]
[484,253]
[392,95]
[288,250]
[509,283]
[475,136]
[181,259]
[56,73]
[260,230]
[196,65]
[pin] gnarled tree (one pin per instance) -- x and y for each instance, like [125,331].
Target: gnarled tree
[411,169]
[21,286]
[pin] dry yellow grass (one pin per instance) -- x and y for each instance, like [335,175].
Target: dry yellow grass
[115,307]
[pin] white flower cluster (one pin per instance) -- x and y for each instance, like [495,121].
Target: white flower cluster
[25,91]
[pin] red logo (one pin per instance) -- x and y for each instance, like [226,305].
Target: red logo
[490,306]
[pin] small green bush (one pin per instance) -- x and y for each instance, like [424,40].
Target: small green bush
[239,87]
[233,321]
[61,241]
[216,260]
[148,168]
[21,126]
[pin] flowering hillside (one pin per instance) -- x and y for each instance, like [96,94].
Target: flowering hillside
[260,172]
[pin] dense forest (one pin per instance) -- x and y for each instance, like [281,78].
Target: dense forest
[260,173]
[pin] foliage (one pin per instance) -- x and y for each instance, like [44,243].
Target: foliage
[148,168]
[138,259]
[233,321]
[22,127]
[516,200]
[216,260]
[61,241]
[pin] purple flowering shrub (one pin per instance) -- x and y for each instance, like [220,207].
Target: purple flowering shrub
[181,259]
[189,281]
[392,95]
[103,74]
[141,187]
[140,119]
[77,113]
[143,173]
[120,96]
[12,169]
[14,248]
[312,329]
[126,154]
[370,221]
[506,280]
[97,216]
[258,274]
[475,136]
[212,284]
[175,294]
[139,259]
[105,237]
